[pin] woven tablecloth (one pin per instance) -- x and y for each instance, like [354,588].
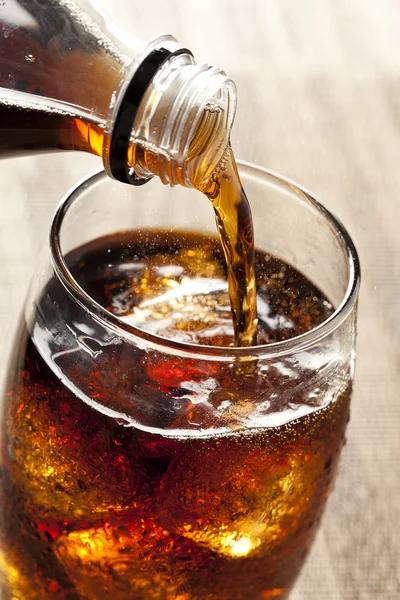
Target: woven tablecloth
[319,90]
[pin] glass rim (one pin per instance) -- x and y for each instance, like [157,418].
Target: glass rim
[222,353]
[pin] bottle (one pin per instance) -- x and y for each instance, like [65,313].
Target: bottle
[71,80]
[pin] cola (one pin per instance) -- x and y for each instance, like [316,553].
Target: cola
[93,507]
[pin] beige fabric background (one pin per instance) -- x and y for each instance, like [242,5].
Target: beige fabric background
[319,87]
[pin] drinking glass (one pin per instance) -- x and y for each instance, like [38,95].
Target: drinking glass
[139,467]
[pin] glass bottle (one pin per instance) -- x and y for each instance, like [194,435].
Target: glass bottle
[71,80]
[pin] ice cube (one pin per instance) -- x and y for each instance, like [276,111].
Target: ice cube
[239,494]
[132,558]
[70,459]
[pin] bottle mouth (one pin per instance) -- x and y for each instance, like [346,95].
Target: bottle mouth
[185,117]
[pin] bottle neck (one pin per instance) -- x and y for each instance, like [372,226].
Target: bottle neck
[70,79]
[181,115]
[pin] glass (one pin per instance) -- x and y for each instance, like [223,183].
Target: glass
[132,466]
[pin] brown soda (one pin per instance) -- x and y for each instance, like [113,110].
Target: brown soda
[93,509]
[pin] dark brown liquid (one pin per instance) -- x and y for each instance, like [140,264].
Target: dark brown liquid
[235,226]
[92,509]
[175,285]
[27,128]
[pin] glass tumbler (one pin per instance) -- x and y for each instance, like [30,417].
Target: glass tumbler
[138,467]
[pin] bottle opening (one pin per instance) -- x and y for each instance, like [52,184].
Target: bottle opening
[182,127]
